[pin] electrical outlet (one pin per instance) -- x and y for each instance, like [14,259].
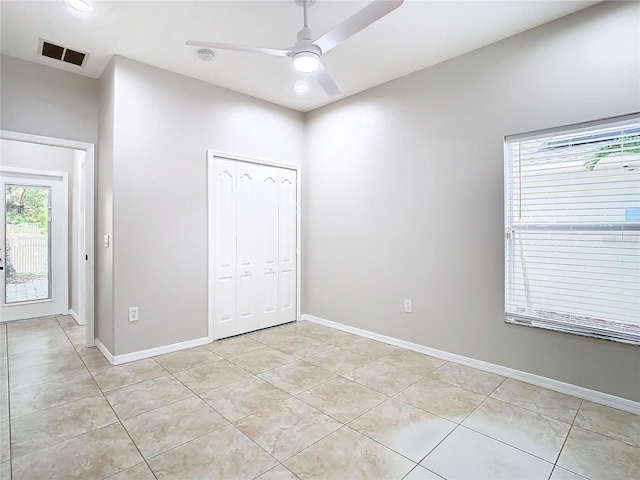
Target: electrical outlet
[133,314]
[407,306]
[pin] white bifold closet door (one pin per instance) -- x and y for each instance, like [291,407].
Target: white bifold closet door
[254,236]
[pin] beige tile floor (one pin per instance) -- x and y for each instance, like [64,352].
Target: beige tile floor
[296,401]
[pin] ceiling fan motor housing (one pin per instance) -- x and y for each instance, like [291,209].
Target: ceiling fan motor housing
[305,42]
[305,55]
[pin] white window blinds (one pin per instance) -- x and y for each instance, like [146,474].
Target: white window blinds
[572,218]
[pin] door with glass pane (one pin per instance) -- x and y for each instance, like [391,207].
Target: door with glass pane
[34,250]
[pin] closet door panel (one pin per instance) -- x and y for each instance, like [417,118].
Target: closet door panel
[287,235]
[225,248]
[254,234]
[246,244]
[268,248]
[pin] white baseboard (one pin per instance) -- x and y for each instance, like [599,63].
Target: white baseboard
[107,354]
[75,316]
[562,387]
[152,352]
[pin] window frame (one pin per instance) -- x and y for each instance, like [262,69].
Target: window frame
[510,228]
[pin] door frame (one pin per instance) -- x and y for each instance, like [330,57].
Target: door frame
[211,271]
[86,225]
[45,178]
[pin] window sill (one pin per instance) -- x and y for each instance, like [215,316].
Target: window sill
[624,333]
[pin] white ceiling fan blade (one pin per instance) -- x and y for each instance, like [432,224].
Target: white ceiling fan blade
[326,82]
[239,48]
[356,22]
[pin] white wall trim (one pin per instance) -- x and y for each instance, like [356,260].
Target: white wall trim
[211,155]
[152,352]
[555,385]
[86,225]
[75,316]
[105,351]
[35,172]
[260,161]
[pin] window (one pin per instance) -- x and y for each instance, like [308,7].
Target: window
[572,221]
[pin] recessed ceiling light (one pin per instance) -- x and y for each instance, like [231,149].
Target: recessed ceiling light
[301,87]
[79,5]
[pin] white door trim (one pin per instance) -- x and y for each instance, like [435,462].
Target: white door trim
[87,224]
[211,156]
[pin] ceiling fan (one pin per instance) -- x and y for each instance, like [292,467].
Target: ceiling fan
[306,53]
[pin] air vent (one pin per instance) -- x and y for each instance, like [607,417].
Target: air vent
[64,54]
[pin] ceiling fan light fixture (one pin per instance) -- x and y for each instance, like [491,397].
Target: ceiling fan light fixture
[79,5]
[306,62]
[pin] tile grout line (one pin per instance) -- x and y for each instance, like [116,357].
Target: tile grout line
[101,393]
[353,419]
[303,391]
[292,396]
[298,359]
[134,444]
[456,423]
[375,359]
[11,455]
[535,411]
[566,439]
[120,422]
[496,439]
[572,424]
[509,445]
[203,435]
[66,403]
[196,395]
[567,436]
[348,424]
[93,374]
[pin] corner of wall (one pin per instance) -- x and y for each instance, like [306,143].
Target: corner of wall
[104,208]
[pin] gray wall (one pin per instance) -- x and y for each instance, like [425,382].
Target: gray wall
[104,329]
[163,124]
[46,101]
[403,195]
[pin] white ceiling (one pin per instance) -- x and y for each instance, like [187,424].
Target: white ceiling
[413,37]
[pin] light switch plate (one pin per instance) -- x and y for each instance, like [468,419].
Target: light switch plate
[407,306]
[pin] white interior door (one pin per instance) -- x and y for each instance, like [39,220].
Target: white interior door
[268,246]
[222,180]
[34,246]
[287,241]
[247,210]
[253,240]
